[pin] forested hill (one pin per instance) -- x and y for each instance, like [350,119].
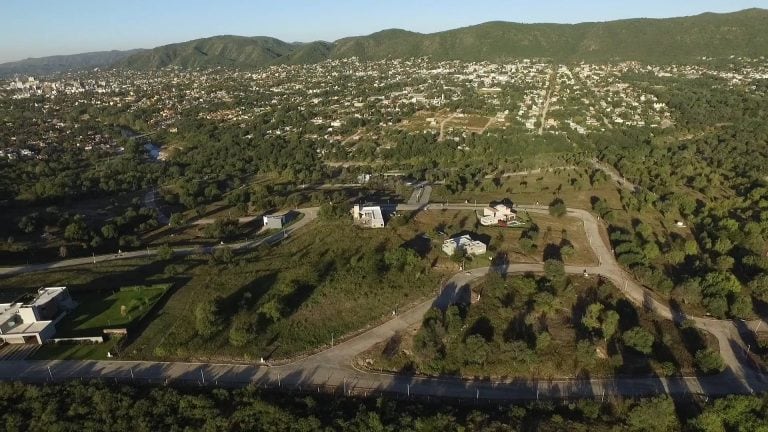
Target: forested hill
[63,63]
[648,40]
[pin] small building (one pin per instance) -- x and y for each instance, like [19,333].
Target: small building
[498,213]
[275,221]
[35,321]
[368,216]
[464,243]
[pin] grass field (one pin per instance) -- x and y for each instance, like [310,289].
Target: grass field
[85,351]
[499,240]
[97,311]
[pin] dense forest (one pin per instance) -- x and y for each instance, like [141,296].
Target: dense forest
[710,173]
[99,407]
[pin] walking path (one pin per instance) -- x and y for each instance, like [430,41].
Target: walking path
[333,369]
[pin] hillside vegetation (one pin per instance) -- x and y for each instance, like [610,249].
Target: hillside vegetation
[683,39]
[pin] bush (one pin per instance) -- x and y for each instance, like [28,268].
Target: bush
[557,208]
[709,361]
[639,339]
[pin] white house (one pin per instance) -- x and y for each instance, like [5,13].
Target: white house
[34,322]
[464,243]
[369,216]
[498,213]
[275,221]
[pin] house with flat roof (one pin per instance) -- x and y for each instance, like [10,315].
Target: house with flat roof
[464,243]
[498,213]
[368,216]
[34,321]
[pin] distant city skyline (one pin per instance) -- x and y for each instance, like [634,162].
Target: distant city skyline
[39,28]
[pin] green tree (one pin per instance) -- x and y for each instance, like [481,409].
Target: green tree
[164,252]
[241,331]
[557,208]
[610,323]
[653,415]
[591,319]
[741,306]
[207,319]
[709,361]
[477,350]
[640,339]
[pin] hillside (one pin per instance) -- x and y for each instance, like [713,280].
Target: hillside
[234,51]
[649,40]
[680,40]
[63,63]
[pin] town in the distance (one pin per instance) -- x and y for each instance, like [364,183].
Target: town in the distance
[363,228]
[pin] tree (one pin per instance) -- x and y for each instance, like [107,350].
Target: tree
[176,220]
[640,339]
[591,319]
[653,415]
[759,286]
[207,319]
[709,361]
[741,306]
[76,231]
[164,252]
[110,231]
[610,323]
[241,331]
[223,255]
[557,208]
[555,272]
[477,350]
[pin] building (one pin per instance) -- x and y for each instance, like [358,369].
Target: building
[35,321]
[464,243]
[368,216]
[498,213]
[275,221]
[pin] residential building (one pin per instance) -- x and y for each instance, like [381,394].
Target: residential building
[368,216]
[275,221]
[35,321]
[464,243]
[498,213]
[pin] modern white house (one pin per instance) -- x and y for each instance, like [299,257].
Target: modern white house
[464,243]
[34,322]
[498,213]
[275,221]
[368,216]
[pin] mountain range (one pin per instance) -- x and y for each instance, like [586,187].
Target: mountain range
[680,40]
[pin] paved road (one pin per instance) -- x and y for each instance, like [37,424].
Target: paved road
[333,368]
[420,195]
[310,214]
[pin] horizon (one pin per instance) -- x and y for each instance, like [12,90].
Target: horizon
[77,27]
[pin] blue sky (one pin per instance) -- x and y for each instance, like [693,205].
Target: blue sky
[34,28]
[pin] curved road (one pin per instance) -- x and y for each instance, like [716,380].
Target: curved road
[332,369]
[310,214]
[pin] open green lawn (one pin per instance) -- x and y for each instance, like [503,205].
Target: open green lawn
[97,311]
[85,351]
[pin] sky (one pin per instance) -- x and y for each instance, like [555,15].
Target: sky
[36,28]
